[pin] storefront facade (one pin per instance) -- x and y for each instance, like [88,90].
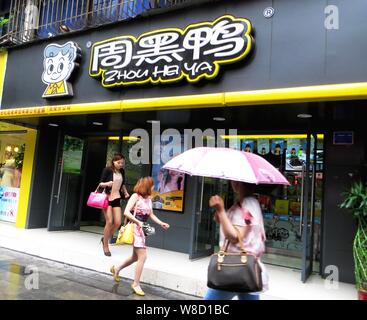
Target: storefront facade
[269,66]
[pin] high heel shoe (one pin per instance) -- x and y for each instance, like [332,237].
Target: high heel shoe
[116,277]
[138,291]
[106,253]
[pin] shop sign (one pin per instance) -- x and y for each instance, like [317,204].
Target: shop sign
[169,55]
[343,137]
[59,64]
[9,198]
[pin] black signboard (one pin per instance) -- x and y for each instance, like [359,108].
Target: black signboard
[169,55]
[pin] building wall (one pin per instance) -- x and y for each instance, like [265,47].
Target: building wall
[344,164]
[293,48]
[40,195]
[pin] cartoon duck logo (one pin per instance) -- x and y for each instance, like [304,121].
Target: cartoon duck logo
[59,64]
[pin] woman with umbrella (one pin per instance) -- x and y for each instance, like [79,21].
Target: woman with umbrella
[242,221]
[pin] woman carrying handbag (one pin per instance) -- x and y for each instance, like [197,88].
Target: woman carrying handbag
[113,181]
[141,204]
[243,222]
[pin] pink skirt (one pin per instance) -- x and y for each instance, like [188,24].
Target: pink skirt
[139,237]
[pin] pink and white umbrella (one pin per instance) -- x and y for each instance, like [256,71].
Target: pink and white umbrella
[225,163]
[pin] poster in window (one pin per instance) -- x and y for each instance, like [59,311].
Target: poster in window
[248,145]
[295,155]
[263,147]
[169,185]
[9,198]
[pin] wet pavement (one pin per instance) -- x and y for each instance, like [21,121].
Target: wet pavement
[24,277]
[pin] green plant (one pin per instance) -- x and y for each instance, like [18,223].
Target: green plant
[3,21]
[355,200]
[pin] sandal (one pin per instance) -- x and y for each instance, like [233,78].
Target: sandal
[137,290]
[106,253]
[116,277]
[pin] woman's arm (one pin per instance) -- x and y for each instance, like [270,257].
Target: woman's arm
[164,225]
[124,190]
[106,184]
[231,232]
[105,179]
[123,186]
[129,207]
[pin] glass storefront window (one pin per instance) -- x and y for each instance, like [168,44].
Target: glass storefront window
[132,171]
[281,205]
[112,148]
[12,148]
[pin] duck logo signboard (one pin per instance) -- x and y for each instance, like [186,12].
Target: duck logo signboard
[170,55]
[59,64]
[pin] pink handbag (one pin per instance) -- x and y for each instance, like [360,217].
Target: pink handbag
[98,200]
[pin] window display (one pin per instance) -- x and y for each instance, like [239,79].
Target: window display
[12,148]
[281,205]
[168,185]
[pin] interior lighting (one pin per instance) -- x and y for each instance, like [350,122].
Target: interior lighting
[270,136]
[304,115]
[124,138]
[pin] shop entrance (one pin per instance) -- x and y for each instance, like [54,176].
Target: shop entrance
[206,231]
[99,153]
[66,192]
[292,214]
[77,172]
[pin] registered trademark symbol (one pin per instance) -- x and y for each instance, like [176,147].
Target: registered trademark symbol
[89,44]
[268,12]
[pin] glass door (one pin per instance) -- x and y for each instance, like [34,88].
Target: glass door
[292,214]
[308,207]
[206,231]
[66,193]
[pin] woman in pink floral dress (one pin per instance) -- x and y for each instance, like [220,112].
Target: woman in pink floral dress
[140,203]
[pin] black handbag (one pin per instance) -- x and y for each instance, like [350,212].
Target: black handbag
[235,272]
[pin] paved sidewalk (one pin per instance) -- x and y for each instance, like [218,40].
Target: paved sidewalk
[25,277]
[167,269]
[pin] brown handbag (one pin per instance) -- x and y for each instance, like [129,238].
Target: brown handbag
[235,272]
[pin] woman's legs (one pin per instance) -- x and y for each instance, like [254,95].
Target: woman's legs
[248,296]
[117,213]
[139,255]
[108,227]
[215,294]
[142,256]
[133,258]
[113,222]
